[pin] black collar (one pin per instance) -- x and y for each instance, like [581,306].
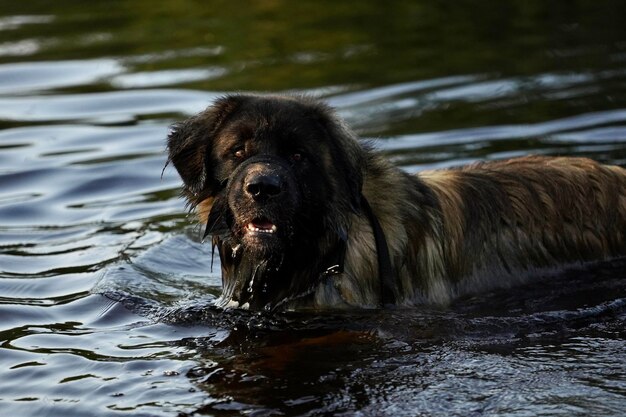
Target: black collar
[386,272]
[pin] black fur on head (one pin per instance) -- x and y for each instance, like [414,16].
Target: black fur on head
[278,179]
[189,147]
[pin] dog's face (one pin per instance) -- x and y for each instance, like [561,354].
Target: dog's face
[275,179]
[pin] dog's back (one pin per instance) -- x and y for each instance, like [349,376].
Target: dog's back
[501,219]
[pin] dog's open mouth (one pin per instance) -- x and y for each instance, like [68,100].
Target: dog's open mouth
[262,235]
[261,226]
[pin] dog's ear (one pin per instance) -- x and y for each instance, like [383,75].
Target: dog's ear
[189,145]
[348,151]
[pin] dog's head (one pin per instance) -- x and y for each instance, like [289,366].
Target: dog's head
[275,179]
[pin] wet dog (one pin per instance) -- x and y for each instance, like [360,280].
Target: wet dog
[305,216]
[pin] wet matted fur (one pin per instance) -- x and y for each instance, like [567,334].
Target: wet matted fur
[292,198]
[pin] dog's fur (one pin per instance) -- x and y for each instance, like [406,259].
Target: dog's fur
[449,232]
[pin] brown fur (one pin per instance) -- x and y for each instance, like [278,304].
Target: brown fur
[496,224]
[449,232]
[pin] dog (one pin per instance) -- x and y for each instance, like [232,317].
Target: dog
[305,216]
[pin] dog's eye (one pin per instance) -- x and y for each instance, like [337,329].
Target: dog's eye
[297,156]
[239,153]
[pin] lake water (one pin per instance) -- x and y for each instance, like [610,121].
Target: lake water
[106,289]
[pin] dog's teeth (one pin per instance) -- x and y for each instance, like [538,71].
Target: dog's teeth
[253,228]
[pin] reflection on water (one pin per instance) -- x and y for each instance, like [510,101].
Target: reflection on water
[87,92]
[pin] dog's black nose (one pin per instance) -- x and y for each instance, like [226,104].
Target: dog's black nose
[261,186]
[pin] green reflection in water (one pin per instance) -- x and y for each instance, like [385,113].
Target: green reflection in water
[279,45]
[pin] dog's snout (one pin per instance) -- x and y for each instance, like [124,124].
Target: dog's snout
[259,185]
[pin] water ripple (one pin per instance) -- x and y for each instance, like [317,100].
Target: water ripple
[118,106]
[31,77]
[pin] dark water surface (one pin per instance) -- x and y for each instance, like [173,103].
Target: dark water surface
[87,92]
